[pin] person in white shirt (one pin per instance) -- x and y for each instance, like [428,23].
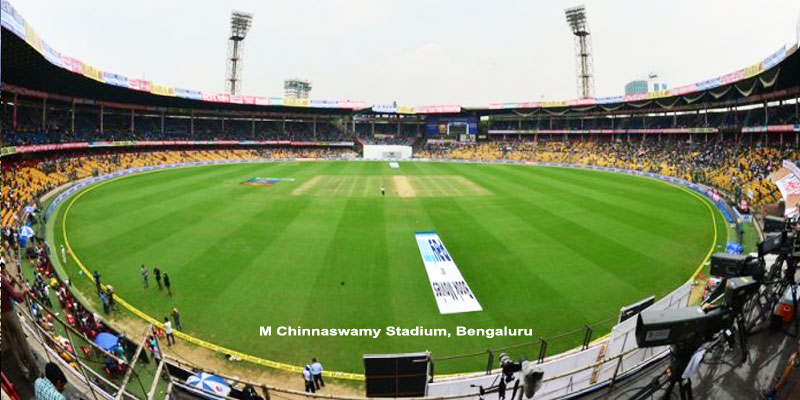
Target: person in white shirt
[63,254]
[316,371]
[168,332]
[308,378]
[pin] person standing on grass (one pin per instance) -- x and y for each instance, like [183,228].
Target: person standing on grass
[97,281]
[316,371]
[112,303]
[157,275]
[104,300]
[383,191]
[63,255]
[143,271]
[176,316]
[168,332]
[167,284]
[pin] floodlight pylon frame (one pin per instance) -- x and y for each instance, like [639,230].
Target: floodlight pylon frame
[240,25]
[576,18]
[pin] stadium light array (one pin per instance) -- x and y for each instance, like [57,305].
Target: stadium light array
[576,18]
[240,25]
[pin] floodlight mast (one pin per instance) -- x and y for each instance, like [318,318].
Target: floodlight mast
[576,18]
[240,24]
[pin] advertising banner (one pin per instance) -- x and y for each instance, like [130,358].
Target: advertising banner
[708,84]
[71,64]
[405,110]
[92,72]
[384,108]
[32,38]
[791,166]
[438,109]
[635,97]
[188,94]
[49,53]
[162,90]
[530,104]
[775,58]
[295,102]
[554,103]
[789,185]
[657,94]
[352,104]
[114,79]
[451,291]
[12,20]
[222,98]
[325,103]
[682,90]
[771,128]
[753,70]
[609,100]
[732,77]
[139,84]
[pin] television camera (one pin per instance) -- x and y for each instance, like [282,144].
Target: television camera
[528,373]
[781,239]
[688,330]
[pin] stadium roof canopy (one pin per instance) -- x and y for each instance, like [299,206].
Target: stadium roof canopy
[29,63]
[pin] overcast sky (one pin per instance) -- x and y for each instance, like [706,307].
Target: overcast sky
[417,52]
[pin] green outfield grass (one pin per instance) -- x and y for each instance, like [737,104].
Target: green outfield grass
[545,248]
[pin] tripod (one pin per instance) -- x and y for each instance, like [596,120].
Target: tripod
[679,361]
[499,388]
[790,282]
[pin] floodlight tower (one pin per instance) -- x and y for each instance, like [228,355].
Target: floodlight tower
[240,24]
[576,18]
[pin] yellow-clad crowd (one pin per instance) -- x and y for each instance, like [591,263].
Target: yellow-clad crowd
[742,171]
[25,181]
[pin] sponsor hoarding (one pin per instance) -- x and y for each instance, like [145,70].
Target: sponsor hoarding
[451,291]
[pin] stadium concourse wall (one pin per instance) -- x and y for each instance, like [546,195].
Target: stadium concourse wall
[607,359]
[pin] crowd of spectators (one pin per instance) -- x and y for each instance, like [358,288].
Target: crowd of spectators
[723,118]
[387,133]
[58,128]
[740,170]
[24,181]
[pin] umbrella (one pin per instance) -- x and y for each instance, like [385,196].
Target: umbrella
[211,383]
[29,209]
[26,231]
[106,341]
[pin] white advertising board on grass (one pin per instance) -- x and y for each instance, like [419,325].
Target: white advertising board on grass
[386,152]
[451,291]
